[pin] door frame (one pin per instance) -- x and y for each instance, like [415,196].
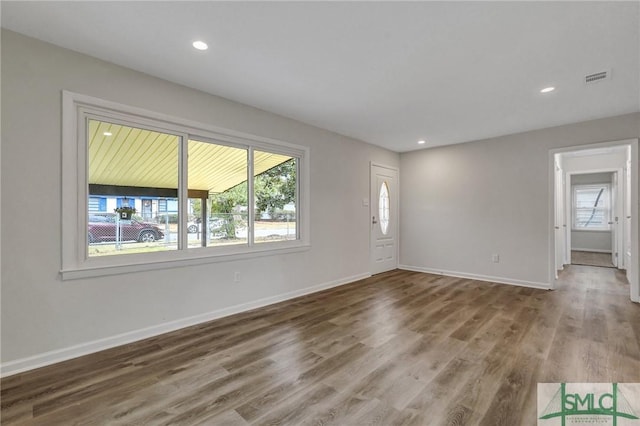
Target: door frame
[617,209]
[396,225]
[633,269]
[559,217]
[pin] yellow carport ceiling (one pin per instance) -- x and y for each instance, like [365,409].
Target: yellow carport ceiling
[126,156]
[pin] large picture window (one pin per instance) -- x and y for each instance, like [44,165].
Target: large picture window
[155,189]
[591,207]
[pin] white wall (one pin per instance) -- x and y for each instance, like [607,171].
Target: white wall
[591,178]
[463,203]
[599,241]
[596,241]
[582,164]
[41,313]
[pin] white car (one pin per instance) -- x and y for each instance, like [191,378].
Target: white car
[214,225]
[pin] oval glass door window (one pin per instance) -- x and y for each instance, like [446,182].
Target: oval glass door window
[383,208]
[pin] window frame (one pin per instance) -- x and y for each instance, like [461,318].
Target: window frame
[574,209]
[77,109]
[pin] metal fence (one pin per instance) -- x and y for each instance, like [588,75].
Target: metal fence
[108,234]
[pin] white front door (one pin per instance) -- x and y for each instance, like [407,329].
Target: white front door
[383,218]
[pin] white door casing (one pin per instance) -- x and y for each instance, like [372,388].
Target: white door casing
[559,229]
[383,218]
[568,213]
[566,221]
[613,219]
[626,251]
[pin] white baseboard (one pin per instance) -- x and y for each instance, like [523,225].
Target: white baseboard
[500,280]
[591,250]
[58,355]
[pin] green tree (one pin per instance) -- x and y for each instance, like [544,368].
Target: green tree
[275,187]
[196,207]
[225,204]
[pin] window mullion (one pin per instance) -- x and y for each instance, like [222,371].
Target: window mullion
[299,202]
[250,199]
[183,193]
[83,190]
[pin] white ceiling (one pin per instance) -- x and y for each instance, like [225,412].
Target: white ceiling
[388,73]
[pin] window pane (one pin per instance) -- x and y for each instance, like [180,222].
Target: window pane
[592,218]
[593,197]
[131,173]
[218,194]
[383,207]
[591,207]
[275,188]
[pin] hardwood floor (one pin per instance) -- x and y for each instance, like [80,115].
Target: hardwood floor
[589,258]
[400,348]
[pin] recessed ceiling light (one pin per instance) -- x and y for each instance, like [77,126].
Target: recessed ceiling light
[548,89]
[200,45]
[422,142]
[107,133]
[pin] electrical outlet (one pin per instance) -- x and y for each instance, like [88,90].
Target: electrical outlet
[236,277]
[495,258]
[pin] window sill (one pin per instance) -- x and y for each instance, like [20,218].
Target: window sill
[589,230]
[121,266]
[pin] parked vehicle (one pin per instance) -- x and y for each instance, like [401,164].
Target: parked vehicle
[102,227]
[215,225]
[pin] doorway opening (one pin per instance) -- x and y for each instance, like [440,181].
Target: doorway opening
[595,209]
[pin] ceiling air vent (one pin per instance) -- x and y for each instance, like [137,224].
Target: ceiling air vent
[597,77]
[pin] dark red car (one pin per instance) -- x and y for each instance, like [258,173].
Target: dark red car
[102,227]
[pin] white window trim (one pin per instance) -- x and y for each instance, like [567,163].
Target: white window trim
[573,207]
[75,262]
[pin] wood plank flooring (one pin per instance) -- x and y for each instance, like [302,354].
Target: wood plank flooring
[589,258]
[400,348]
